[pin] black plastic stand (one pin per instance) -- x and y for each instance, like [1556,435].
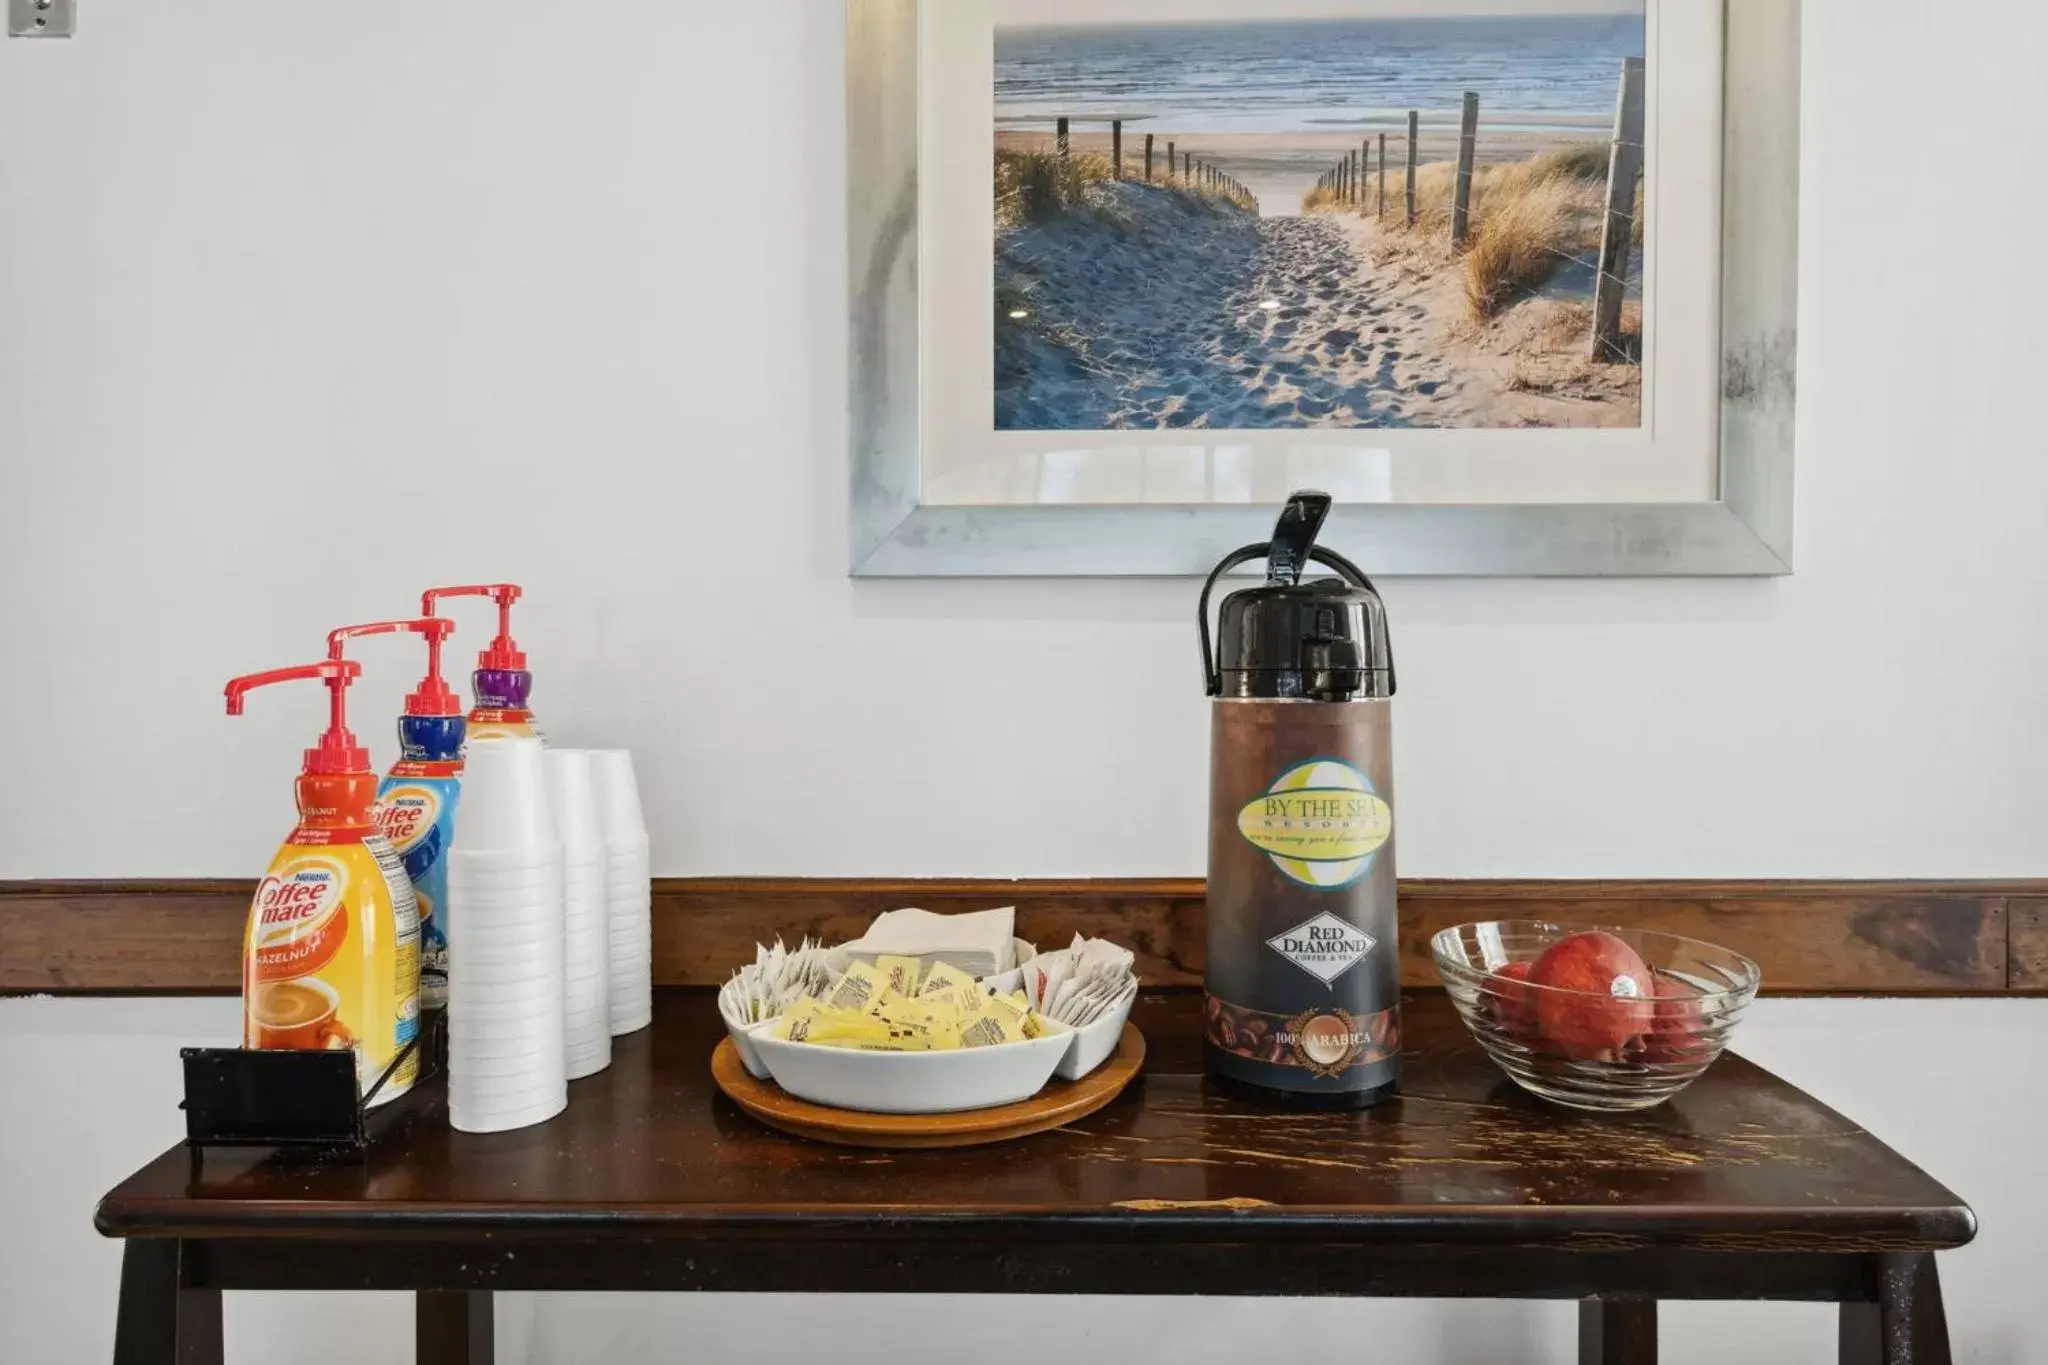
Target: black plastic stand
[298,1100]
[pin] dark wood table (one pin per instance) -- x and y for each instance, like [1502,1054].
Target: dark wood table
[1742,1188]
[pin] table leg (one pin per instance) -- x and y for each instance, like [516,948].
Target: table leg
[453,1327]
[1906,1324]
[159,1321]
[1618,1332]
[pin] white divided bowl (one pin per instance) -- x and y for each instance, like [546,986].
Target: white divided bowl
[913,1082]
[750,1056]
[1093,1043]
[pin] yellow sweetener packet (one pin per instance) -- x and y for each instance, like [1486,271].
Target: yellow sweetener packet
[958,1002]
[899,972]
[944,976]
[887,1002]
[988,1029]
[873,1035]
[939,1013]
[830,1025]
[1017,1010]
[795,1023]
[855,989]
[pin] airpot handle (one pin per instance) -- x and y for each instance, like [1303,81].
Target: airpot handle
[1292,547]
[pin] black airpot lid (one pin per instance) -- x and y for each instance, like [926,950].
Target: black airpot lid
[1323,640]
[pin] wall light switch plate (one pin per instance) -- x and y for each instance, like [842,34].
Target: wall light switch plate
[42,18]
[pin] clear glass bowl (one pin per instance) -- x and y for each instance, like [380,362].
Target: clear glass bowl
[1604,1052]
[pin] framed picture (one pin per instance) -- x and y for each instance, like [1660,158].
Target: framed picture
[1513,280]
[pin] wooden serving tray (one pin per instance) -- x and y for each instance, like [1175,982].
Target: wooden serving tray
[1058,1103]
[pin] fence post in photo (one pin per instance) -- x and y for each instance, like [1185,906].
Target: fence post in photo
[1116,149]
[1187,169]
[1617,233]
[1365,176]
[1414,127]
[1172,164]
[1148,158]
[1383,175]
[1351,192]
[1060,134]
[1468,145]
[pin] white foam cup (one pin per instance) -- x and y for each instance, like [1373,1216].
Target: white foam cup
[498,1028]
[470,1118]
[504,798]
[574,801]
[504,860]
[534,976]
[519,985]
[619,816]
[500,1038]
[504,881]
[531,1066]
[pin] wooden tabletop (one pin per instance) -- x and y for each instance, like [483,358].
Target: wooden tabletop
[647,1149]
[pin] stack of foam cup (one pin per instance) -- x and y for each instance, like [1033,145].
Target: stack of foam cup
[506,1006]
[628,890]
[588,983]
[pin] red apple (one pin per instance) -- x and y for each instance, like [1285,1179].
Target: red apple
[1600,996]
[1677,1028]
[1507,996]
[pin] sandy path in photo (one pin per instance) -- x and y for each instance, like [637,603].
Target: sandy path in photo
[1147,311]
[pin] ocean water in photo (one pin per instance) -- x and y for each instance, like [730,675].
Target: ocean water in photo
[1312,74]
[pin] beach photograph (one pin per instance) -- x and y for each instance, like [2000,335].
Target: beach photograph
[1319,214]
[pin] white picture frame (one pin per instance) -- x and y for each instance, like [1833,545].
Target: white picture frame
[1745,529]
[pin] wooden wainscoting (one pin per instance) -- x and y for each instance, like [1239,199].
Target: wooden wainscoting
[1812,937]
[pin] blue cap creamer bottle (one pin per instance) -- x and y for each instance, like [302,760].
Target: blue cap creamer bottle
[416,800]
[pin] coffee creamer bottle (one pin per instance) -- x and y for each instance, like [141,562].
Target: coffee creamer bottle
[1302,983]
[416,801]
[501,684]
[331,956]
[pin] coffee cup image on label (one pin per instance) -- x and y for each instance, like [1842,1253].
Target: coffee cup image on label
[298,1014]
[1320,822]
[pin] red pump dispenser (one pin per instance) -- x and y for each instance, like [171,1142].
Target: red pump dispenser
[501,683]
[503,652]
[433,697]
[337,754]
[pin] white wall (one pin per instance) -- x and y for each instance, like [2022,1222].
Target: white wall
[579,284]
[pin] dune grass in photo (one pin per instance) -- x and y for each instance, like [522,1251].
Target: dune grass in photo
[1528,219]
[1037,185]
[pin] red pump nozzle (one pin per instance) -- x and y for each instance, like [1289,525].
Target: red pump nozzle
[337,753]
[433,697]
[503,653]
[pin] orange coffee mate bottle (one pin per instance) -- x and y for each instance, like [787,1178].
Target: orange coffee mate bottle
[331,957]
